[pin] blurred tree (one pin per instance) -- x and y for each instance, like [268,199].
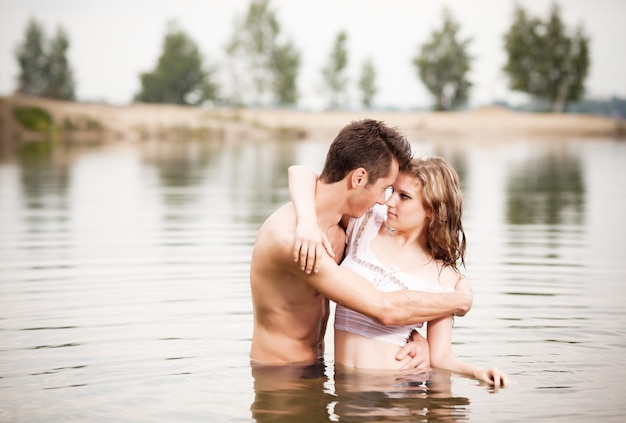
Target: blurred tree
[32,61]
[179,76]
[285,66]
[263,71]
[367,83]
[443,64]
[59,74]
[44,69]
[543,61]
[334,73]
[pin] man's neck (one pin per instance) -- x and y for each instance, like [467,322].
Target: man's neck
[330,200]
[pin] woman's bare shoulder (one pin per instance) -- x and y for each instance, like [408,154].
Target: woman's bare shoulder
[450,277]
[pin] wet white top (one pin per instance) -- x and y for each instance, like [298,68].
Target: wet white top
[362,260]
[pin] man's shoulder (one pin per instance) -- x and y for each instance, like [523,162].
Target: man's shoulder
[278,229]
[283,220]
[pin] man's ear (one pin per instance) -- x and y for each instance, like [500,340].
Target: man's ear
[359,177]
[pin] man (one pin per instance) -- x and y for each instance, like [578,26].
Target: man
[291,307]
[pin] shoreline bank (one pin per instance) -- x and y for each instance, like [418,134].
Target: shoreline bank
[84,122]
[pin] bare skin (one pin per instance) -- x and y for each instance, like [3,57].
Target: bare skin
[291,306]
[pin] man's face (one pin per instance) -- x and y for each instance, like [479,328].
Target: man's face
[366,195]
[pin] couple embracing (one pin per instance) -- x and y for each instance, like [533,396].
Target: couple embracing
[379,233]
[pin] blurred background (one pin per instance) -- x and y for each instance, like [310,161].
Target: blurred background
[110,44]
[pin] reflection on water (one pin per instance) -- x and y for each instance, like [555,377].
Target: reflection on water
[308,394]
[398,397]
[124,286]
[547,190]
[291,393]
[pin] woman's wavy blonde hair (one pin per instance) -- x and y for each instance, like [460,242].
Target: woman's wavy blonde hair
[441,196]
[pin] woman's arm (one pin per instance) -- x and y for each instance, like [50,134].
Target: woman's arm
[309,238]
[440,341]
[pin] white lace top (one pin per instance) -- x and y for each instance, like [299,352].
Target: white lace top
[362,260]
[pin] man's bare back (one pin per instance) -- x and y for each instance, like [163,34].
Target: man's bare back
[290,315]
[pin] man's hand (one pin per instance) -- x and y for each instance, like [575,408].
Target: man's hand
[417,348]
[309,245]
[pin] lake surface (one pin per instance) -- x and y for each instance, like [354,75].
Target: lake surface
[124,293]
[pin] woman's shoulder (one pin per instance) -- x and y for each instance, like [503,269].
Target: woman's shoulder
[449,277]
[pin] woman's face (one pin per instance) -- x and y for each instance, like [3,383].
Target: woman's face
[405,211]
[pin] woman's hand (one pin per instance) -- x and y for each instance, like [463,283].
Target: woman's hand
[493,377]
[309,245]
[310,240]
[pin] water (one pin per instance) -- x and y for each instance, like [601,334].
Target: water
[124,286]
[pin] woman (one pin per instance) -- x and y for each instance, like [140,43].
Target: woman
[413,242]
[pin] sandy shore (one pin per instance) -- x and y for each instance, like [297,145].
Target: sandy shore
[491,122]
[135,122]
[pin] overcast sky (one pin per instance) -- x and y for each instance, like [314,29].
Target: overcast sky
[113,41]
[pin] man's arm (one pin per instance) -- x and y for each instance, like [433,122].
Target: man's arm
[390,308]
[352,291]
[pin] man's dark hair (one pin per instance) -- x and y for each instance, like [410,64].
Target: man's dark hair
[369,144]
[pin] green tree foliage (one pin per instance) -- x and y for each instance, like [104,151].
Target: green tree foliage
[33,118]
[285,66]
[443,64]
[179,76]
[60,77]
[544,61]
[44,68]
[32,61]
[334,74]
[367,83]
[263,69]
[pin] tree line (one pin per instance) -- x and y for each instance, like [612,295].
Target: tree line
[545,60]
